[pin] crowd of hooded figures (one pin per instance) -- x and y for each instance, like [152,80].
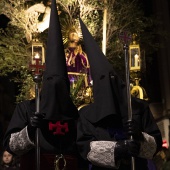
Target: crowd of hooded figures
[99,136]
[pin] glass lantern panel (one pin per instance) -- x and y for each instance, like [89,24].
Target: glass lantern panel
[134,53]
[37,53]
[135,57]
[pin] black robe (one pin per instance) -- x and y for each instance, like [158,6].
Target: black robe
[110,128]
[49,143]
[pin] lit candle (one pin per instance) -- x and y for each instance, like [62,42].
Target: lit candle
[136,60]
[37,56]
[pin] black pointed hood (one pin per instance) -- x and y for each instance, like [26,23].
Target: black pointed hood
[108,89]
[55,56]
[55,95]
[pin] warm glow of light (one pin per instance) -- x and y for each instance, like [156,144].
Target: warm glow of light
[37,56]
[136,60]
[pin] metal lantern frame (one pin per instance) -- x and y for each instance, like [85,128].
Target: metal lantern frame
[37,52]
[134,57]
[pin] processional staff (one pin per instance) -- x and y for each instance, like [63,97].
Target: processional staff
[126,38]
[37,68]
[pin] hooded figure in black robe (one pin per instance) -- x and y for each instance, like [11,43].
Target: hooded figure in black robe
[56,120]
[106,138]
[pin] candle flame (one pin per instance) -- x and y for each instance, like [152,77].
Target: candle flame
[37,56]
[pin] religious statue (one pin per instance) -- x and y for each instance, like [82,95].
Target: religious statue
[38,16]
[38,9]
[77,65]
[76,58]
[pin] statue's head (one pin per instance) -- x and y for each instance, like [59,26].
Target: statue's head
[73,36]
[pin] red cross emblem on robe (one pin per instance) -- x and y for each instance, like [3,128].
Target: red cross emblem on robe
[58,128]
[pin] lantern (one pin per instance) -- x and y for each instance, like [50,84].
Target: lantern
[134,56]
[37,51]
